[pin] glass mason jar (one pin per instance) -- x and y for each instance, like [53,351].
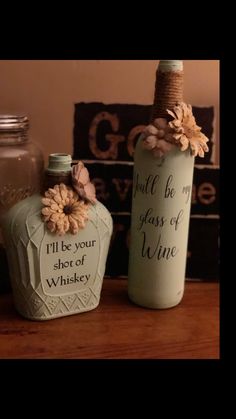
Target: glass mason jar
[21,171]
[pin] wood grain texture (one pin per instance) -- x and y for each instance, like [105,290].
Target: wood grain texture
[118,329]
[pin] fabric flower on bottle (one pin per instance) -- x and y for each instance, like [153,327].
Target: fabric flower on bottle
[63,210]
[81,183]
[157,137]
[182,131]
[186,132]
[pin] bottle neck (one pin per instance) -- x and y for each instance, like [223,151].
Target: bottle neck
[168,91]
[52,179]
[58,171]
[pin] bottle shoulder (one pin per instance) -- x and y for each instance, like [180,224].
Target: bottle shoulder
[23,220]
[99,210]
[174,159]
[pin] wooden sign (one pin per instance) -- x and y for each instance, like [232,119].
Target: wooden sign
[110,132]
[104,138]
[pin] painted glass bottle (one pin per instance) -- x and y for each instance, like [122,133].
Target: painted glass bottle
[57,244]
[162,184]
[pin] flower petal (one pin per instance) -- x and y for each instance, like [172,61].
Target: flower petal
[184,141]
[57,198]
[198,144]
[73,225]
[52,191]
[80,173]
[54,217]
[84,176]
[160,123]
[161,133]
[164,146]
[194,149]
[169,138]
[200,152]
[70,194]
[75,171]
[81,193]
[177,136]
[46,217]
[171,113]
[150,142]
[63,191]
[185,110]
[51,226]
[47,201]
[176,123]
[179,112]
[47,211]
[90,192]
[66,224]
[55,207]
[150,130]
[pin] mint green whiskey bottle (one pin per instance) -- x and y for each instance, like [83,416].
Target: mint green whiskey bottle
[57,244]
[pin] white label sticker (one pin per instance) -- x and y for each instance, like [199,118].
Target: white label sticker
[69,263]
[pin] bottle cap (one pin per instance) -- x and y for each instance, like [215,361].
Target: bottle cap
[59,162]
[170,65]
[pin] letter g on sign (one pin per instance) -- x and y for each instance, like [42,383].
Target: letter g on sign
[114,139]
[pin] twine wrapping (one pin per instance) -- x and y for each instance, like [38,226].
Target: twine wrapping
[168,91]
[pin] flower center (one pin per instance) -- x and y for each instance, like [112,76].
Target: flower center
[67,209]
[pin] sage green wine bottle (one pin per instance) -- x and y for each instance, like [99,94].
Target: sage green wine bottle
[160,207]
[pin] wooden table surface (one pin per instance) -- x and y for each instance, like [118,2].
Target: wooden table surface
[118,329]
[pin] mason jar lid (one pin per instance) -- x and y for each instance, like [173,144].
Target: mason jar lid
[14,122]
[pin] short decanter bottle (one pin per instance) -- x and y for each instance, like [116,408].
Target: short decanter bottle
[21,173]
[57,244]
[162,185]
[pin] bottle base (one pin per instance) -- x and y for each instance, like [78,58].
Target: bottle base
[149,303]
[44,317]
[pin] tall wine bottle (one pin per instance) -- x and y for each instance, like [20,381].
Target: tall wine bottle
[162,185]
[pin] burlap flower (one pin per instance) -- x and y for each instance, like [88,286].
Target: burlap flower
[81,183]
[157,137]
[186,133]
[63,210]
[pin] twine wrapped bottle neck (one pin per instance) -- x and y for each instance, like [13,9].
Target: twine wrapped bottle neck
[168,91]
